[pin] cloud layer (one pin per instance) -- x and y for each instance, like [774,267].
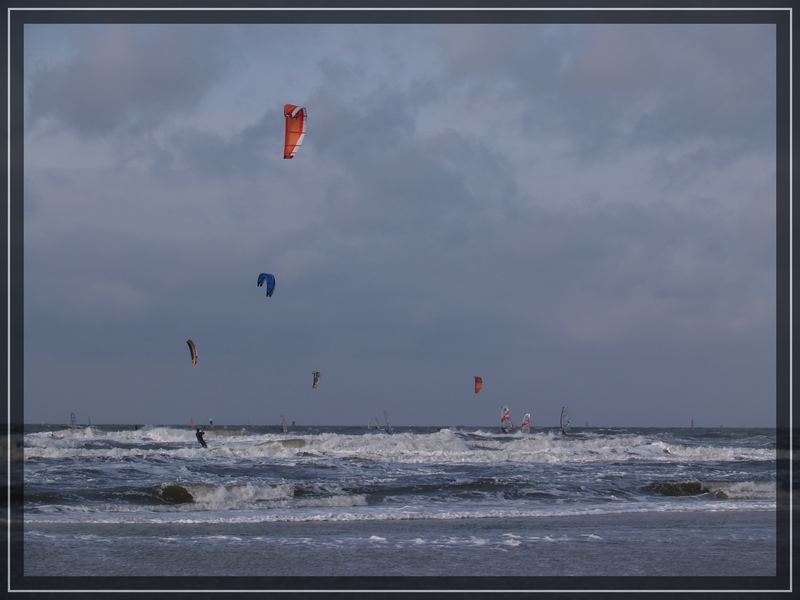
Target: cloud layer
[582,214]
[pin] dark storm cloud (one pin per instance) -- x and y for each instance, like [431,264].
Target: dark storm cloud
[130,77]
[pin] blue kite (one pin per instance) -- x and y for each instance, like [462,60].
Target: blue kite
[270,280]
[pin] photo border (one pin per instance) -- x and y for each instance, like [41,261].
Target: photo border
[778,13]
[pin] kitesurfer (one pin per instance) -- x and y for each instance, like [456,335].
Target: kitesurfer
[199,434]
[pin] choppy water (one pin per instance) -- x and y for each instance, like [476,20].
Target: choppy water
[159,477]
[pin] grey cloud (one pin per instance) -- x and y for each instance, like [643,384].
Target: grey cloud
[248,153]
[428,254]
[130,77]
[612,86]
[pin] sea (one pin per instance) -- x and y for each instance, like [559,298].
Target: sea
[408,501]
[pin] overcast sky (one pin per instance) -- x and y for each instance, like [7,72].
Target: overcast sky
[584,215]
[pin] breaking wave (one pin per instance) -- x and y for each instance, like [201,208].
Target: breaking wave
[444,446]
[718,489]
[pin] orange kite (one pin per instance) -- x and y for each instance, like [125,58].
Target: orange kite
[296,119]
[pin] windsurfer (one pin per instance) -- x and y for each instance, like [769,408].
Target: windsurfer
[563,422]
[505,420]
[526,423]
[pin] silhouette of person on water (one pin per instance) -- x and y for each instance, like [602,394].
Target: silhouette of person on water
[200,433]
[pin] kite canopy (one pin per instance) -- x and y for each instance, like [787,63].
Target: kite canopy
[269,280]
[315,384]
[478,384]
[192,351]
[296,119]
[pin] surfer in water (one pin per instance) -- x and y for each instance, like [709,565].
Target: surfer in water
[199,435]
[505,420]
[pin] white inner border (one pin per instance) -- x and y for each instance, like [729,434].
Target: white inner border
[406,9]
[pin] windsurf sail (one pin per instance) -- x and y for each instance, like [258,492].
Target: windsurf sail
[192,351]
[505,420]
[478,384]
[386,420]
[563,422]
[191,423]
[73,421]
[526,423]
[315,383]
[269,280]
[284,425]
[296,125]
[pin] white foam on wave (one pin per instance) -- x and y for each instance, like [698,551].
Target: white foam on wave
[478,541]
[208,497]
[221,497]
[366,513]
[343,500]
[444,446]
[743,489]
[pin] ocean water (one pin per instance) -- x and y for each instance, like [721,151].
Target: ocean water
[114,500]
